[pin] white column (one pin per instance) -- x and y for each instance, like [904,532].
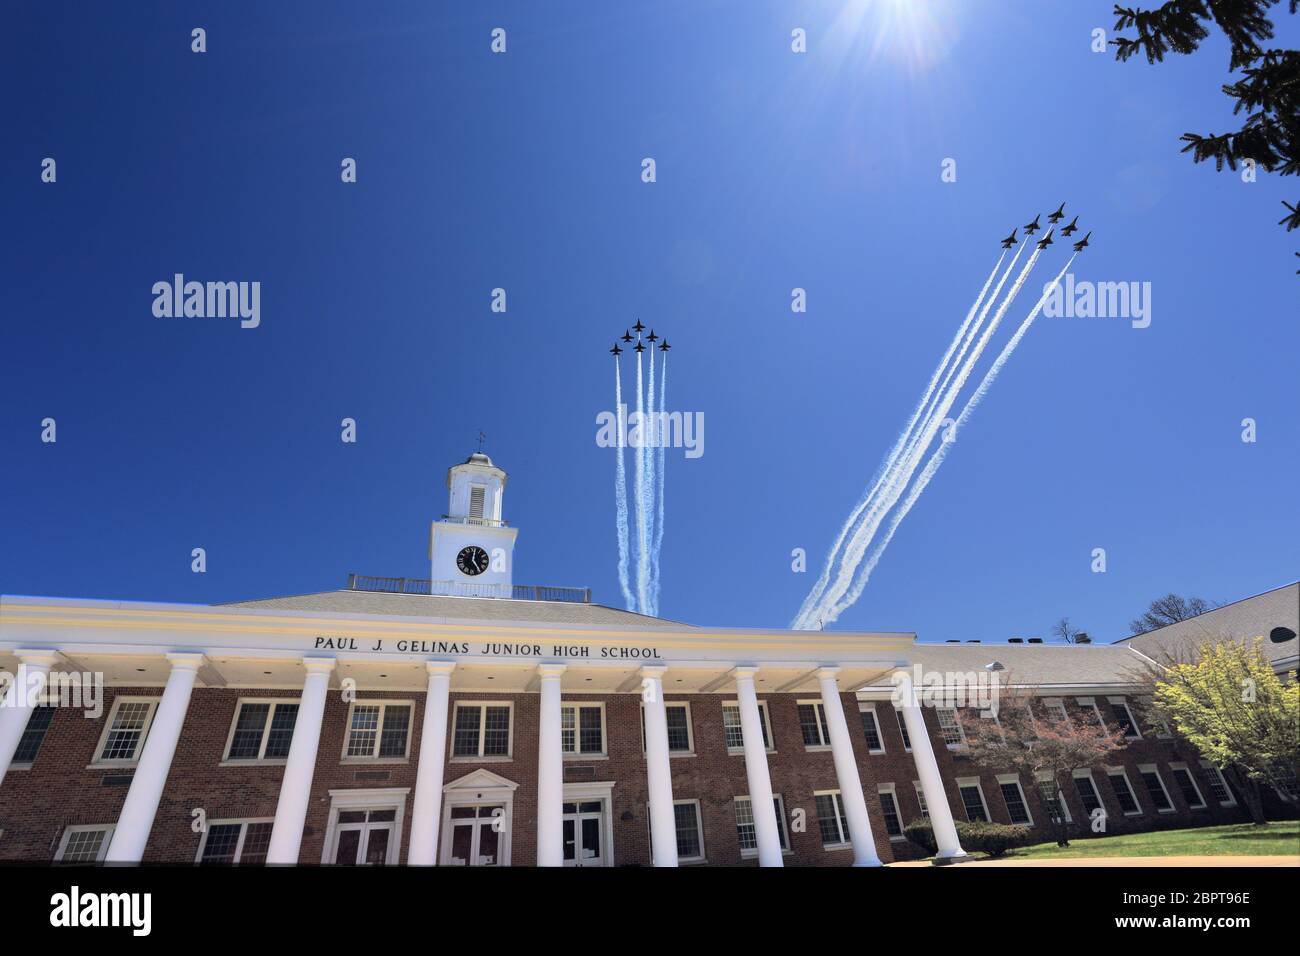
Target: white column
[24,692]
[760,782]
[927,768]
[295,789]
[550,770]
[846,771]
[136,819]
[426,814]
[658,768]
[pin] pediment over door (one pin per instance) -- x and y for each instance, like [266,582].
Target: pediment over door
[479,780]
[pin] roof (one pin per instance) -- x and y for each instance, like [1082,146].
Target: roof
[1243,620]
[450,608]
[1040,665]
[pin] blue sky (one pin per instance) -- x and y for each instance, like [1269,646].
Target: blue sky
[522,171]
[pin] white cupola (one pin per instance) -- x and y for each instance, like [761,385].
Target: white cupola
[470,548]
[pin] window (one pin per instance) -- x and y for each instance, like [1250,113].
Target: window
[731,726]
[953,735]
[1219,788]
[582,730]
[84,844]
[690,831]
[126,728]
[1285,783]
[871,728]
[476,495]
[1055,708]
[1156,788]
[889,809]
[1014,798]
[262,730]
[1090,709]
[1124,717]
[747,832]
[378,730]
[1187,785]
[832,823]
[235,841]
[812,722]
[972,799]
[1123,792]
[1047,791]
[681,737]
[38,722]
[1087,789]
[902,730]
[920,799]
[481,730]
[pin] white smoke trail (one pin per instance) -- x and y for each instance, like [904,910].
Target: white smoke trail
[941,452]
[897,483]
[644,574]
[659,493]
[904,436]
[638,493]
[620,489]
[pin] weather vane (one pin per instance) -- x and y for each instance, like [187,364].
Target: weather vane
[481,437]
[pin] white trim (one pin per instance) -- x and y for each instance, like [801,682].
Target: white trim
[703,856]
[1014,778]
[764,715]
[478,756]
[244,823]
[1057,705]
[1086,702]
[1047,775]
[870,708]
[107,829]
[577,753]
[823,728]
[841,821]
[1173,772]
[973,782]
[383,704]
[1111,774]
[261,759]
[690,729]
[956,718]
[478,788]
[889,788]
[783,831]
[1223,782]
[903,735]
[920,800]
[101,762]
[1122,702]
[384,798]
[1145,768]
[604,792]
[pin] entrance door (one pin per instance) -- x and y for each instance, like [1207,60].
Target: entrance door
[583,834]
[475,837]
[362,837]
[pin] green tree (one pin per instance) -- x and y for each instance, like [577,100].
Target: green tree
[1266,80]
[1236,711]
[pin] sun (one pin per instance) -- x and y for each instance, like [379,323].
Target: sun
[915,34]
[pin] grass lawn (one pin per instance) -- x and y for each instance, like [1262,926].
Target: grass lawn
[1238,839]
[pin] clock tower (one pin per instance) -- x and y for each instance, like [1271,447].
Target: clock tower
[471,549]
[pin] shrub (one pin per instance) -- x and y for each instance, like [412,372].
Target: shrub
[991,838]
[921,834]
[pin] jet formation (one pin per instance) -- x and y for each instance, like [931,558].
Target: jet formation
[1067,230]
[640,346]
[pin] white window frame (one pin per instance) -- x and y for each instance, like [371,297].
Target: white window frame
[1085,773]
[961,731]
[699,828]
[903,734]
[261,758]
[383,703]
[1014,778]
[866,707]
[1060,794]
[1152,768]
[820,706]
[892,790]
[100,760]
[1209,767]
[690,728]
[1179,765]
[973,782]
[576,754]
[478,756]
[1055,706]
[108,829]
[763,715]
[384,798]
[1087,702]
[783,832]
[846,839]
[1111,773]
[244,824]
[1122,702]
[27,764]
[920,800]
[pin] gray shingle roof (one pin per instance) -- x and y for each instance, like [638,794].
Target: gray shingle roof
[444,608]
[1242,620]
[1039,665]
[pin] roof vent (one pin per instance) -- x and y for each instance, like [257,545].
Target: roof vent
[1035,640]
[1280,635]
[1082,639]
[975,641]
[1015,640]
[952,640]
[994,666]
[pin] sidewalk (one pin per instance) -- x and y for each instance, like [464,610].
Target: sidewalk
[1122,861]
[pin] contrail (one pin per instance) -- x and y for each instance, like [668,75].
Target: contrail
[659,492]
[644,576]
[620,489]
[819,586]
[941,452]
[896,484]
[638,494]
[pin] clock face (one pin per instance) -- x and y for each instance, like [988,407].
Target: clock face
[472,560]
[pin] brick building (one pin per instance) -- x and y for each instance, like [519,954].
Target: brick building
[455,721]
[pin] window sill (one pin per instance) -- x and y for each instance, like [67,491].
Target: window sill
[20,766]
[876,753]
[471,758]
[816,748]
[580,758]
[236,762]
[740,751]
[373,761]
[1170,810]
[124,765]
[835,847]
[1135,813]
[753,854]
[898,839]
